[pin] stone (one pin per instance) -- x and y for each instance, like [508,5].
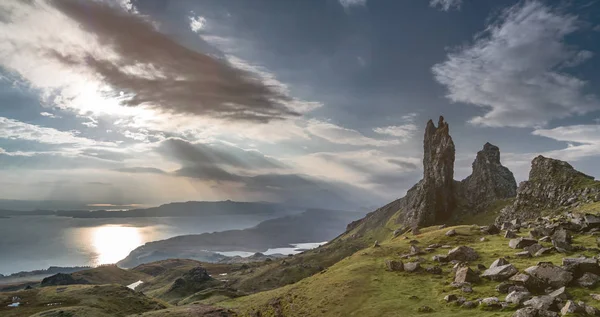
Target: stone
[394,266]
[526,312]
[425,309]
[517,298]
[469,304]
[517,288]
[591,221]
[465,274]
[500,273]
[466,289]
[543,251]
[499,262]
[560,293]
[376,244]
[482,239]
[551,275]
[400,231]
[521,243]
[450,298]
[451,233]
[440,258]
[588,280]
[509,234]
[463,253]
[491,229]
[532,249]
[581,265]
[561,240]
[491,302]
[530,282]
[546,239]
[544,302]
[412,266]
[523,254]
[591,310]
[414,250]
[505,226]
[570,308]
[503,287]
[442,226]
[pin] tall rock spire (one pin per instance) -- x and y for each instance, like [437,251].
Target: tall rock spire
[432,199]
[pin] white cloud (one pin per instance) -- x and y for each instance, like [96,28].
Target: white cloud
[445,5]
[404,131]
[197,23]
[49,115]
[352,3]
[17,130]
[515,70]
[336,134]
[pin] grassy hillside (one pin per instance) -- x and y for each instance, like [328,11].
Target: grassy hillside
[78,300]
[360,286]
[110,274]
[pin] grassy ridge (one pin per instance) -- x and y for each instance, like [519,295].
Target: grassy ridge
[360,286]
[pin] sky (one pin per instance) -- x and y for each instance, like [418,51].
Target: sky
[318,103]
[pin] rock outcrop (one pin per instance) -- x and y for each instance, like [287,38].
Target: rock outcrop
[552,185]
[433,198]
[489,181]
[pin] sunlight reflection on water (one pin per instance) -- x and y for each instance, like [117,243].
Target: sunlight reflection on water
[114,242]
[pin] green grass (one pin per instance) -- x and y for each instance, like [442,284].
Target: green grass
[360,286]
[79,300]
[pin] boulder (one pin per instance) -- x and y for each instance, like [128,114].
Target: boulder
[450,298]
[509,234]
[412,266]
[499,262]
[591,221]
[503,287]
[526,312]
[451,233]
[415,250]
[532,249]
[561,240]
[523,254]
[463,253]
[543,251]
[570,307]
[491,229]
[581,265]
[491,302]
[521,243]
[434,270]
[394,266]
[551,275]
[500,273]
[465,274]
[517,298]
[588,280]
[544,302]
[440,258]
[530,282]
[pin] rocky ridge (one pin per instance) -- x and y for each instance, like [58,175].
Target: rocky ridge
[553,185]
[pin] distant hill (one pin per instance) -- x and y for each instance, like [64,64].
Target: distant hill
[179,209]
[313,225]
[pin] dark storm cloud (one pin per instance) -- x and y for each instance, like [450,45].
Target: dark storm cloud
[177,79]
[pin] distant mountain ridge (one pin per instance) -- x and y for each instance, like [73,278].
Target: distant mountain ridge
[177,209]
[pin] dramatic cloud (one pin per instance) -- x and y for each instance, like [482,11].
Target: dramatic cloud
[445,5]
[114,56]
[404,132]
[49,115]
[197,23]
[583,141]
[17,130]
[336,134]
[516,70]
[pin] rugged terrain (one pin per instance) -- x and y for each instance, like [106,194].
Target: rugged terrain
[476,247]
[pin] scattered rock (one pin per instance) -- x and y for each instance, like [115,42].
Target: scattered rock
[530,282]
[526,312]
[517,298]
[465,274]
[491,229]
[463,253]
[499,262]
[581,265]
[570,308]
[543,251]
[482,239]
[595,296]
[521,243]
[509,234]
[415,250]
[491,302]
[560,293]
[451,233]
[425,309]
[553,276]
[503,287]
[588,280]
[434,270]
[500,273]
[469,304]
[543,302]
[440,258]
[533,248]
[376,244]
[394,266]
[412,266]
[450,298]
[523,254]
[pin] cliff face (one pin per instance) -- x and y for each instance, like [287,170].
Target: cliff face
[552,185]
[489,181]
